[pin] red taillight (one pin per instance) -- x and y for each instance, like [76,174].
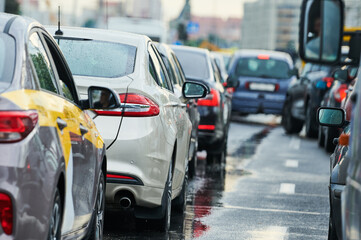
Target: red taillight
[119,176]
[246,85]
[328,80]
[16,125]
[277,87]
[263,57]
[135,105]
[211,100]
[340,93]
[206,127]
[6,213]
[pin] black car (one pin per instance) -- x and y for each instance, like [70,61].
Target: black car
[215,109]
[344,78]
[304,97]
[176,74]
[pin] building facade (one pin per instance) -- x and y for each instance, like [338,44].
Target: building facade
[270,24]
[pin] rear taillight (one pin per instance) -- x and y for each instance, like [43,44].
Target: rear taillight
[211,100]
[119,176]
[328,80]
[207,127]
[277,87]
[16,125]
[134,105]
[6,213]
[340,93]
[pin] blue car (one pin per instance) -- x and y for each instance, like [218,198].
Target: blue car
[264,77]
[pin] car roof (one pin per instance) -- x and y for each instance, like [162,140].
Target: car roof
[100,34]
[255,52]
[190,49]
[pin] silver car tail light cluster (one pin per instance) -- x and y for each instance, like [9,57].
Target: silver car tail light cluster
[16,125]
[133,105]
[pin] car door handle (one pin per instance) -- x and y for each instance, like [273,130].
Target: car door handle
[61,123]
[183,105]
[83,130]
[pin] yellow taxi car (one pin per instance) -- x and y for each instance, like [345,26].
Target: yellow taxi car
[53,162]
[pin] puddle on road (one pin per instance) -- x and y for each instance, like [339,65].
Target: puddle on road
[205,192]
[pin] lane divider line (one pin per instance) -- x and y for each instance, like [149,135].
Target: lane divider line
[287,188]
[291,163]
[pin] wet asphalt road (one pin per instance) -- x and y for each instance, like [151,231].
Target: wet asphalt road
[274,186]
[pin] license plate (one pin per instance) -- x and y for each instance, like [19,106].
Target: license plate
[262,87]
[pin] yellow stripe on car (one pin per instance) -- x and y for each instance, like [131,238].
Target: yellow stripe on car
[50,107]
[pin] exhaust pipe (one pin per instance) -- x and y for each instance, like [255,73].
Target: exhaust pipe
[125,202]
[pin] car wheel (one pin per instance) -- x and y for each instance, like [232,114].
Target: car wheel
[329,136]
[56,217]
[310,122]
[181,201]
[289,123]
[164,222]
[192,170]
[96,231]
[219,155]
[331,230]
[320,137]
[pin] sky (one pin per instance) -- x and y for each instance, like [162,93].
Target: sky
[217,8]
[172,8]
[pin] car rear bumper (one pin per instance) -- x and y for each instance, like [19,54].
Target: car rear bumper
[141,151]
[251,102]
[210,116]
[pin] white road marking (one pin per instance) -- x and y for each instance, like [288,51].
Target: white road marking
[261,210]
[287,188]
[270,233]
[291,163]
[295,143]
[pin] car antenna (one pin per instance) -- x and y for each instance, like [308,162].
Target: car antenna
[59,32]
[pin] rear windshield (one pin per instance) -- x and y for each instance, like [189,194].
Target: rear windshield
[264,68]
[195,65]
[98,58]
[7,60]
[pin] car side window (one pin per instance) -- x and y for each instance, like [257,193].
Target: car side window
[178,70]
[158,69]
[64,75]
[42,64]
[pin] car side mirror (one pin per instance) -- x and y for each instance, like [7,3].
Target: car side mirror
[340,74]
[194,90]
[331,117]
[232,82]
[103,98]
[321,31]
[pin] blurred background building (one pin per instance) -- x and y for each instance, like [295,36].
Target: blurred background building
[271,24]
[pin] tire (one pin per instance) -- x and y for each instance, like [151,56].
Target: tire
[310,122]
[97,223]
[181,201]
[192,170]
[56,217]
[164,222]
[218,156]
[320,137]
[289,123]
[328,142]
[331,230]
